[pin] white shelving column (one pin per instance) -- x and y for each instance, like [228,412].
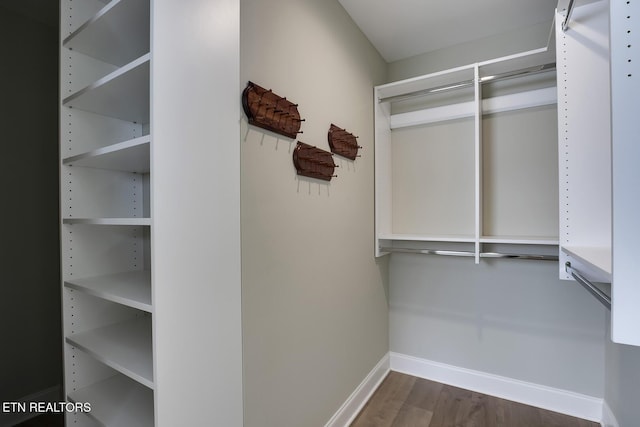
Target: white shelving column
[195,157]
[105,209]
[625,104]
[150,201]
[584,141]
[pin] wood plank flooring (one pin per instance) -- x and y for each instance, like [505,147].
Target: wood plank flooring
[406,401]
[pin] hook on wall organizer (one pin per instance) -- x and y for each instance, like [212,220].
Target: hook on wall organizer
[343,143]
[269,111]
[313,162]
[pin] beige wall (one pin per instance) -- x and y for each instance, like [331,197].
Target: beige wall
[315,318]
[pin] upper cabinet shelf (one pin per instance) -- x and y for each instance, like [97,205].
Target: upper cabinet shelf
[117,34]
[123,94]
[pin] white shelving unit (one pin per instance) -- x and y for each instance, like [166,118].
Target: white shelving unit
[446,146]
[584,142]
[599,153]
[105,201]
[150,262]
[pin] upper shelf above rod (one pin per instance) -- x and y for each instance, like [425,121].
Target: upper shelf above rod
[469,83]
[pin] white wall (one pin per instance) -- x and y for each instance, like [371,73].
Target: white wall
[314,302]
[31,356]
[505,317]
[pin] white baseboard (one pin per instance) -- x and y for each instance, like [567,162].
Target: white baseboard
[552,399]
[608,418]
[354,404]
[52,394]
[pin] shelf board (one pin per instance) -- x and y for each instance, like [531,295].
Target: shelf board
[126,156]
[598,257]
[521,240]
[123,94]
[427,238]
[132,288]
[117,34]
[108,221]
[420,83]
[118,402]
[497,104]
[517,61]
[125,347]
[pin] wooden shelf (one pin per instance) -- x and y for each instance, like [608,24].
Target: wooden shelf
[108,221]
[125,347]
[126,156]
[118,402]
[599,258]
[132,288]
[123,94]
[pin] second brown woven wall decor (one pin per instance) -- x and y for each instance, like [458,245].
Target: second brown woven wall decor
[343,143]
[269,111]
[313,162]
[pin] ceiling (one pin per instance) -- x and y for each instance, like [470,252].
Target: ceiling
[403,28]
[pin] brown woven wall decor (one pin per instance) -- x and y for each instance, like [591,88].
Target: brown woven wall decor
[313,162]
[269,111]
[343,143]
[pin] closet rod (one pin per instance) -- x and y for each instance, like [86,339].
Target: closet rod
[593,289]
[468,83]
[471,254]
[565,23]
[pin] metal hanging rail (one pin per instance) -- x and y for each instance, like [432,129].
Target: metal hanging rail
[593,289]
[565,23]
[471,254]
[468,83]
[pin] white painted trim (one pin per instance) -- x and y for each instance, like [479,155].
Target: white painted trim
[608,417]
[552,399]
[51,394]
[354,404]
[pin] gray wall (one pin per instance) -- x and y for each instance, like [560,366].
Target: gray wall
[30,360]
[511,318]
[314,306]
[506,317]
[466,53]
[622,381]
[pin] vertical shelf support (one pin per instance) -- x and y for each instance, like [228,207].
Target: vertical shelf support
[478,159]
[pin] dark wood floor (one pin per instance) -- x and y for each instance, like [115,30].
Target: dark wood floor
[406,401]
